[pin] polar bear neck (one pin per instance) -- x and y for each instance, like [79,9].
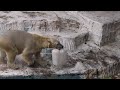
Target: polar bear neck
[40,41]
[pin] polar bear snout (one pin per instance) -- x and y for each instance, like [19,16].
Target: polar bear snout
[59,46]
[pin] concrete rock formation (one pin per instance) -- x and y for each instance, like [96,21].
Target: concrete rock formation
[103,25]
[91,37]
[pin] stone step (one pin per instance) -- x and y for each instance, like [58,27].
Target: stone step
[104,26]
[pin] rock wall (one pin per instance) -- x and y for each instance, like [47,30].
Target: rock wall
[110,32]
[11,26]
[103,26]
